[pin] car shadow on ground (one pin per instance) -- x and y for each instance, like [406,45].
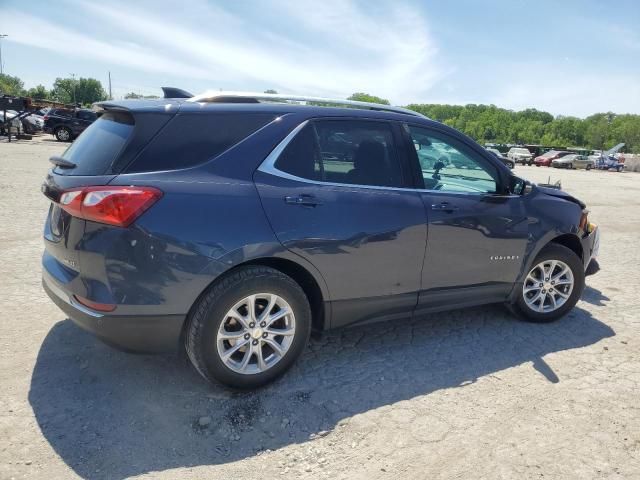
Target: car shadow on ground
[594,296]
[110,414]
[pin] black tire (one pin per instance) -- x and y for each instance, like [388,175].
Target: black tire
[211,309]
[511,165]
[553,251]
[588,167]
[63,134]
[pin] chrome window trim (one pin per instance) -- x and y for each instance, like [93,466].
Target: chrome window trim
[268,166]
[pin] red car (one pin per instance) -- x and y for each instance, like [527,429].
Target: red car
[545,159]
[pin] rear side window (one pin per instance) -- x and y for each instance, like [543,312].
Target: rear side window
[190,139]
[95,150]
[60,112]
[355,152]
[86,115]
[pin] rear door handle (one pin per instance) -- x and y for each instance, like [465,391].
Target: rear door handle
[302,200]
[444,207]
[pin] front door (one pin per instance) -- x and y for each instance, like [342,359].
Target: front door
[336,197]
[476,236]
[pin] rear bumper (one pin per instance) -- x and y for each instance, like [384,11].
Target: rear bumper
[142,333]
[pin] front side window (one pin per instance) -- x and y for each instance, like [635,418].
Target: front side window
[354,152]
[448,165]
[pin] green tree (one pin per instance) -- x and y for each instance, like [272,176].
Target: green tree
[135,96]
[270,91]
[39,92]
[84,91]
[10,85]
[365,97]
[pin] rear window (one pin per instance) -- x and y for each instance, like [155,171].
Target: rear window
[191,139]
[95,150]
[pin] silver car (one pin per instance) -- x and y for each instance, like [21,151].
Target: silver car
[573,161]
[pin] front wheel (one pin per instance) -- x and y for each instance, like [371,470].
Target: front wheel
[553,285]
[249,328]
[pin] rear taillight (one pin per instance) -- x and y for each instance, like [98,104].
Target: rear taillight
[45,118]
[118,206]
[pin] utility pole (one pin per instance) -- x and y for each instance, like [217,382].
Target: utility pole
[73,77]
[2,35]
[110,96]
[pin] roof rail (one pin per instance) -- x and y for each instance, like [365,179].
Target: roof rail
[215,96]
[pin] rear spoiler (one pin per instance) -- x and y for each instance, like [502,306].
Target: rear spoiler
[173,92]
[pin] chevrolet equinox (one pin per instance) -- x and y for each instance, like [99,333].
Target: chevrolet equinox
[233,225]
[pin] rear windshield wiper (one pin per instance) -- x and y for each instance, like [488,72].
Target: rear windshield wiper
[61,162]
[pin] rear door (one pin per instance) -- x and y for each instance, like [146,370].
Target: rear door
[335,194]
[477,236]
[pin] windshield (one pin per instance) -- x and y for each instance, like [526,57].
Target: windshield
[549,154]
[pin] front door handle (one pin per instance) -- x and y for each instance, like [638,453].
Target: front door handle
[302,200]
[444,207]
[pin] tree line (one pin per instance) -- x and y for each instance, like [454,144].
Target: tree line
[484,123]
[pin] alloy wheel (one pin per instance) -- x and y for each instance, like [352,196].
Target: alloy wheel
[256,333]
[548,286]
[63,134]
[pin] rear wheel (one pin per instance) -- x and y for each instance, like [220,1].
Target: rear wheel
[249,328]
[553,285]
[588,167]
[63,134]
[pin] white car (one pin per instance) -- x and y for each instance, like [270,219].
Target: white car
[520,154]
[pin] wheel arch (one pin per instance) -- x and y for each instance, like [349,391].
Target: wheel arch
[571,241]
[312,287]
[568,240]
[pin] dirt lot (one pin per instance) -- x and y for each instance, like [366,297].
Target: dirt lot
[466,394]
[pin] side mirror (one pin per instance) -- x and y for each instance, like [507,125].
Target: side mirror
[518,186]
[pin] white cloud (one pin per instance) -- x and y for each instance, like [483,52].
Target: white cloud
[332,48]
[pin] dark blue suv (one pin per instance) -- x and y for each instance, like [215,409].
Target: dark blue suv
[235,226]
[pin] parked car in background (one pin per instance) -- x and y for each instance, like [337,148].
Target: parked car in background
[545,159]
[66,124]
[573,161]
[230,225]
[26,123]
[520,155]
[509,163]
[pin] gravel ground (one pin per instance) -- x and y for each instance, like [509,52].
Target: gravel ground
[467,394]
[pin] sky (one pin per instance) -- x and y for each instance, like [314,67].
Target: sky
[567,57]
